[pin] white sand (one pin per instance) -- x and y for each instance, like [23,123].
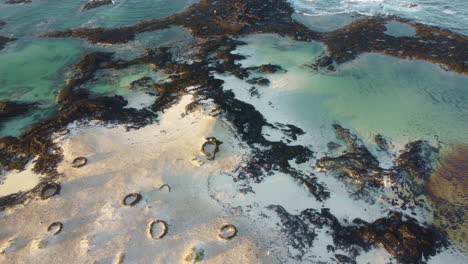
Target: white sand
[98,228]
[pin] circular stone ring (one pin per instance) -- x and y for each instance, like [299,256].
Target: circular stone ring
[49,190]
[57,226]
[211,155]
[136,198]
[163,231]
[227,232]
[79,162]
[165,185]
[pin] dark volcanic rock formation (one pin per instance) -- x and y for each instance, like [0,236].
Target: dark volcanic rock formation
[236,18]
[95,3]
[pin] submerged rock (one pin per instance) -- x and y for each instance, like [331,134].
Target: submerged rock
[16,2]
[13,109]
[4,40]
[417,159]
[95,3]
[446,189]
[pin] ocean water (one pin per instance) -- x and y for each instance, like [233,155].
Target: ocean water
[449,14]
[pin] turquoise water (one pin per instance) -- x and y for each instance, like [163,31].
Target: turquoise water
[401,99]
[33,69]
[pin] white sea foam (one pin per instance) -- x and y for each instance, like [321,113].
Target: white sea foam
[432,12]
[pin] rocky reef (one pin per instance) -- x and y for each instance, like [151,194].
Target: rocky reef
[238,18]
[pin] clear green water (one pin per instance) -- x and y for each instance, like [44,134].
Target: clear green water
[401,99]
